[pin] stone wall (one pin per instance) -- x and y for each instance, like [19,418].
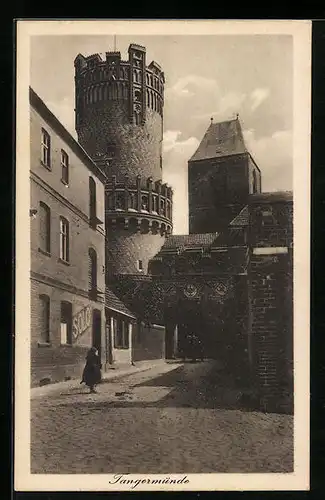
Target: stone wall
[271,300]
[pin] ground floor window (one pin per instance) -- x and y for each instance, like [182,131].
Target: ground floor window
[121,333]
[66,323]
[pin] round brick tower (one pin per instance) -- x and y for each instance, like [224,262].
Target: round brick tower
[119,122]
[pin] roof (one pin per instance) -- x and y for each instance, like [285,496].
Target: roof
[221,139]
[50,118]
[241,219]
[271,197]
[186,241]
[115,304]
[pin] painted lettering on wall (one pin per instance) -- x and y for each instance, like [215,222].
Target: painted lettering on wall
[81,322]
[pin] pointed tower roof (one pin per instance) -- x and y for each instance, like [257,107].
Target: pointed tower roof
[221,139]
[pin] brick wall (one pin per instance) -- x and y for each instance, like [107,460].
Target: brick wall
[126,248]
[137,148]
[271,300]
[218,190]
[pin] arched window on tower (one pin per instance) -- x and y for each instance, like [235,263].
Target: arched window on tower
[154,203]
[132,201]
[120,200]
[148,98]
[137,118]
[162,206]
[92,202]
[144,202]
[92,284]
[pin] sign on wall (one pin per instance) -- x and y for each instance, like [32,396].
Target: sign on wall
[81,322]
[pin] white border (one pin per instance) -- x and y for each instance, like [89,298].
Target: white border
[301,32]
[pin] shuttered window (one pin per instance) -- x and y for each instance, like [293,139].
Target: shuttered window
[45,228]
[44,319]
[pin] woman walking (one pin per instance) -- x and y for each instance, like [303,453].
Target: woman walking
[92,375]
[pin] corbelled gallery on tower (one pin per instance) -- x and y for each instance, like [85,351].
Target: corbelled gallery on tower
[229,280]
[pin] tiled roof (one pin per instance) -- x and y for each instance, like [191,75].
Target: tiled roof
[241,219]
[183,241]
[114,303]
[221,139]
[270,197]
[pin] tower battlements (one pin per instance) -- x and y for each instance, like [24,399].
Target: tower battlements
[119,122]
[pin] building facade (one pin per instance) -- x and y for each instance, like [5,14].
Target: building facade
[67,249]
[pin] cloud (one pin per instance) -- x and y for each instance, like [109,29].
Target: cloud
[258,96]
[176,153]
[273,154]
[187,86]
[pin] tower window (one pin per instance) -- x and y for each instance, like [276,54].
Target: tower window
[144,202]
[64,167]
[66,323]
[154,203]
[162,206]
[92,202]
[64,239]
[120,201]
[140,265]
[45,228]
[132,201]
[46,148]
[45,318]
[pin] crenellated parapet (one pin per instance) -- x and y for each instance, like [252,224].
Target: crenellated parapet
[130,204]
[100,80]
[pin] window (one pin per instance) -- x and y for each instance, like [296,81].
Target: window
[121,333]
[64,167]
[120,200]
[144,202]
[132,201]
[44,319]
[140,265]
[45,228]
[162,207]
[92,202]
[64,239]
[46,149]
[154,204]
[66,323]
[137,118]
[92,270]
[254,182]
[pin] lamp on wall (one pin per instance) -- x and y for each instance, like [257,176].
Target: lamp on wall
[32,213]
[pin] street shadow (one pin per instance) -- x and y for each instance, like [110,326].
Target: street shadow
[215,390]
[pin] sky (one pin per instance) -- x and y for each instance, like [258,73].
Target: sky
[206,76]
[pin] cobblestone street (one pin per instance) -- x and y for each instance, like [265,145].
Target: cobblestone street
[170,418]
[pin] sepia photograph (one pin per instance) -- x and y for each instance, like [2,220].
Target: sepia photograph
[165,179]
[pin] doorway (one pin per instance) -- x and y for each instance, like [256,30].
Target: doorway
[97,330]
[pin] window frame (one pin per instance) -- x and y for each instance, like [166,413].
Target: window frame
[64,240]
[64,167]
[69,336]
[46,149]
[121,333]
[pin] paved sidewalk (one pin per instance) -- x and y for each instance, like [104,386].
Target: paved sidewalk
[110,375]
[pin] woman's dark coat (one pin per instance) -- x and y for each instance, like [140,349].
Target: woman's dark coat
[92,374]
